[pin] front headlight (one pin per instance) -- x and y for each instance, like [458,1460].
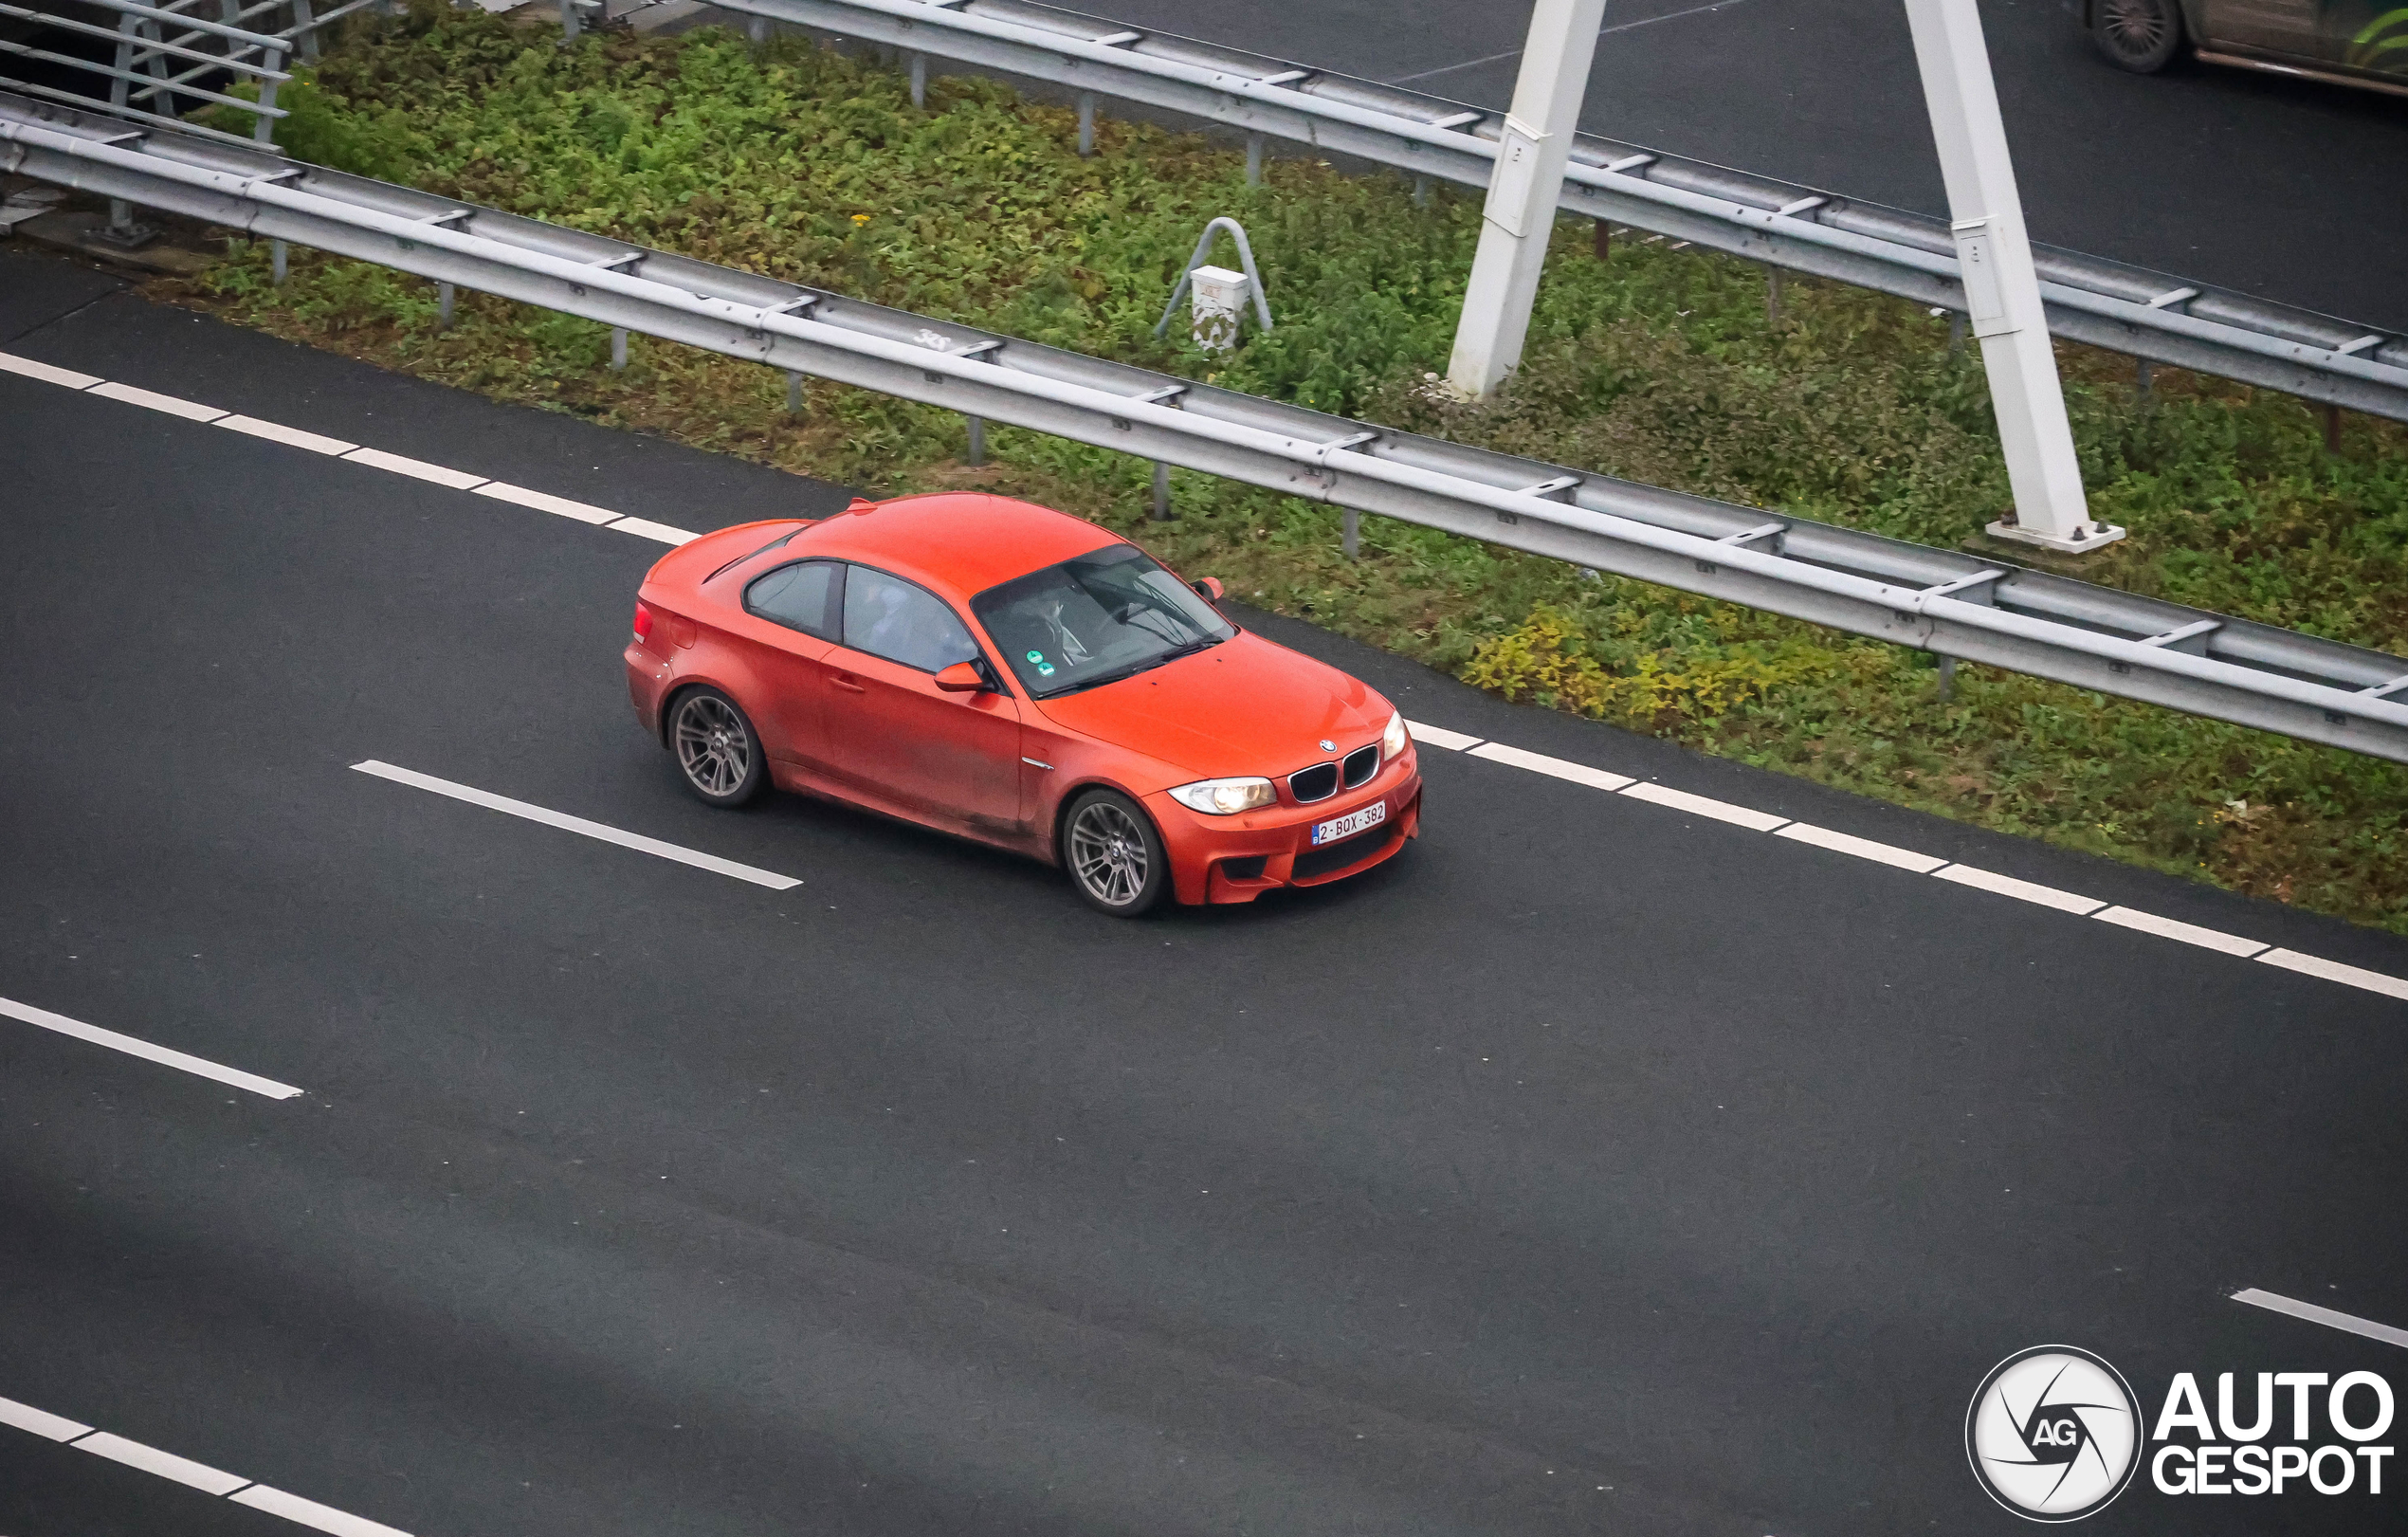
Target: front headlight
[1392,740]
[1226,798]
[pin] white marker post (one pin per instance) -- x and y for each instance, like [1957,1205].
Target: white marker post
[2002,292]
[1522,193]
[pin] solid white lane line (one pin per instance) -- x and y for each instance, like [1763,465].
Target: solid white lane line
[310,1513]
[647,528]
[416,469]
[148,1053]
[2333,971]
[2007,886]
[290,436]
[1845,843]
[1553,767]
[49,1426]
[47,374]
[2326,1316]
[151,1459]
[2166,928]
[578,824]
[545,502]
[1438,736]
[1721,810]
[173,405]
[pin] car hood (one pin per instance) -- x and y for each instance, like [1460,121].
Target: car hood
[1245,706]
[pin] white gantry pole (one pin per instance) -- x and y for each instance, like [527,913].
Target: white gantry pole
[2002,292]
[1522,193]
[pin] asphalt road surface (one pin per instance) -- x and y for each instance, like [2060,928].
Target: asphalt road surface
[1592,1167]
[2279,187]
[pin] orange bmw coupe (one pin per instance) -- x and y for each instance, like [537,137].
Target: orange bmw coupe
[1015,675]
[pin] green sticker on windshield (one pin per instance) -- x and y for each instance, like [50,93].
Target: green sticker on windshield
[1045,669]
[1038,657]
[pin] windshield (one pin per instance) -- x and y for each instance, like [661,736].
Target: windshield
[1096,619]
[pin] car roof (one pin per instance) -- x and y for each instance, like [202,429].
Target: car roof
[963,541]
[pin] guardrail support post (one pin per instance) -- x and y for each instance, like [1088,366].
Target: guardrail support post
[1957,334]
[2002,292]
[977,453]
[279,265]
[446,298]
[1772,294]
[568,21]
[1422,192]
[1162,491]
[1253,159]
[1350,534]
[1947,679]
[756,30]
[305,33]
[1087,123]
[794,394]
[920,80]
[1523,192]
[2332,428]
[2142,382]
[618,349]
[1604,241]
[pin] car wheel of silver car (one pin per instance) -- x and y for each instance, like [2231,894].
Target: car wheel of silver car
[2138,35]
[715,748]
[1116,858]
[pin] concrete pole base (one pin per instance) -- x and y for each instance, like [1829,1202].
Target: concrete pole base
[2095,537]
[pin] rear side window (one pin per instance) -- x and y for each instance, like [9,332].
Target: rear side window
[889,617]
[801,596]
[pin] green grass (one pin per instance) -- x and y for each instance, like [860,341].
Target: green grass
[1657,364]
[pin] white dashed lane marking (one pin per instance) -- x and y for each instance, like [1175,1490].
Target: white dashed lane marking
[164,1056]
[2073,903]
[1848,843]
[209,1480]
[580,825]
[294,437]
[2326,1316]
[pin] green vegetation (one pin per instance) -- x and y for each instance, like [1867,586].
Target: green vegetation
[1658,364]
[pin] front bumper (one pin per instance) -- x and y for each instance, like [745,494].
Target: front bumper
[1238,858]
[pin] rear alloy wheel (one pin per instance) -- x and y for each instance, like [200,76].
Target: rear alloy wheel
[2138,35]
[1116,858]
[715,748]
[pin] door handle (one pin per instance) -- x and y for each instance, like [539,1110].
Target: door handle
[840,681]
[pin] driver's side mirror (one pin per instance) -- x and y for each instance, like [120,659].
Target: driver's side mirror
[1207,588]
[962,678]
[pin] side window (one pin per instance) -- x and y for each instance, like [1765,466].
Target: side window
[889,617]
[801,596]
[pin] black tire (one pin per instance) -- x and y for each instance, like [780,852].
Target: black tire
[719,754]
[1115,857]
[2140,35]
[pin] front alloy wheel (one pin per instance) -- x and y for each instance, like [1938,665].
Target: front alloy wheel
[2138,35]
[1116,858]
[715,748]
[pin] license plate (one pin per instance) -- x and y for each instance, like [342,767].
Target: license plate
[1350,824]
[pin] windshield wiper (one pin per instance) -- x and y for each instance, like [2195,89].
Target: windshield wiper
[1146,666]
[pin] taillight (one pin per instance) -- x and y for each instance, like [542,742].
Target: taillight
[643,623]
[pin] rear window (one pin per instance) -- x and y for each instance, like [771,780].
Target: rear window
[801,596]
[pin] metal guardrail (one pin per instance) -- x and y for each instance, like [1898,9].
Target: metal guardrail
[2127,309]
[168,60]
[1937,600]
